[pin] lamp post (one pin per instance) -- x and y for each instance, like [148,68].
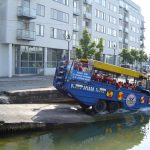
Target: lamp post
[68,39]
[114,54]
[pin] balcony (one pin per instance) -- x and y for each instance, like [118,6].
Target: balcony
[126,19]
[142,28]
[76,11]
[75,27]
[120,27]
[87,15]
[25,35]
[89,2]
[126,30]
[120,16]
[88,29]
[120,38]
[26,12]
[126,41]
[75,43]
[142,45]
[142,37]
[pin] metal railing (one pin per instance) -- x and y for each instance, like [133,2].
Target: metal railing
[75,27]
[76,11]
[26,12]
[26,35]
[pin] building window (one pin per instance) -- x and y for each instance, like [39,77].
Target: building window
[54,56]
[59,15]
[100,14]
[40,10]
[29,59]
[120,45]
[39,30]
[112,19]
[104,3]
[112,32]
[100,28]
[101,2]
[112,7]
[109,31]
[58,33]
[65,2]
[111,44]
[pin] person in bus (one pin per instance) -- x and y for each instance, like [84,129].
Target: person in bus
[80,67]
[140,87]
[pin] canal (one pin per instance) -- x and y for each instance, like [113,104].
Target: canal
[129,132]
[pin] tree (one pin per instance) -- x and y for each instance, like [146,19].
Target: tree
[87,48]
[100,48]
[135,56]
[125,55]
[142,56]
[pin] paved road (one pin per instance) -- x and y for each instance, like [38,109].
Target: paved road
[24,83]
[43,113]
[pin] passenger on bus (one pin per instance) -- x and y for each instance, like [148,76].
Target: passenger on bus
[139,87]
[80,67]
[118,85]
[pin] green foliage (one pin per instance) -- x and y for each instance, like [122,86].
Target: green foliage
[79,53]
[142,56]
[132,56]
[100,48]
[87,47]
[125,55]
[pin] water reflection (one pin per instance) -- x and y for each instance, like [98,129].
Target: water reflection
[121,134]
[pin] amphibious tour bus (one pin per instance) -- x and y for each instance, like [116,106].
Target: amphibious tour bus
[102,86]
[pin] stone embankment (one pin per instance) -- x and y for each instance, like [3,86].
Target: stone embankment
[34,96]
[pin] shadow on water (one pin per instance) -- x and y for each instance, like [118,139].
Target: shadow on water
[121,134]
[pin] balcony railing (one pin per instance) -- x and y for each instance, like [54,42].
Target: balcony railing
[88,2]
[126,30]
[126,41]
[120,16]
[87,15]
[76,27]
[120,38]
[120,27]
[126,19]
[75,43]
[76,11]
[142,37]
[26,12]
[25,35]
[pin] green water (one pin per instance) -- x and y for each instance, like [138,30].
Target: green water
[130,132]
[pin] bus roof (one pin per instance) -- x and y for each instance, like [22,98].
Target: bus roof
[116,69]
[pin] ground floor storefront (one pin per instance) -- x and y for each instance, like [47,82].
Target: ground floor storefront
[27,60]
[32,60]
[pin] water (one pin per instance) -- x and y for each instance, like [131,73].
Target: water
[130,132]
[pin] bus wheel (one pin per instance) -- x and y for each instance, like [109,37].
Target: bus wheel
[112,106]
[99,107]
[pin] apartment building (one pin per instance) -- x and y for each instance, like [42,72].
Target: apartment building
[35,34]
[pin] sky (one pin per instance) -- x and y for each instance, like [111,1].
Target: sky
[145,9]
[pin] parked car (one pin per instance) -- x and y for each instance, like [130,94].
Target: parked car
[126,66]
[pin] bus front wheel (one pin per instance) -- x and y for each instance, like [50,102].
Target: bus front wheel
[100,106]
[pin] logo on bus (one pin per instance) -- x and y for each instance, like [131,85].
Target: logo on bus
[142,100]
[131,100]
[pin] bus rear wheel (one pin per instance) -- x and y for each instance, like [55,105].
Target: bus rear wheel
[100,106]
[112,106]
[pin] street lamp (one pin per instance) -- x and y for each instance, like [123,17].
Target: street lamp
[68,39]
[114,54]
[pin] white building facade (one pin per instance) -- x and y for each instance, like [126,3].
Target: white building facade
[33,32]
